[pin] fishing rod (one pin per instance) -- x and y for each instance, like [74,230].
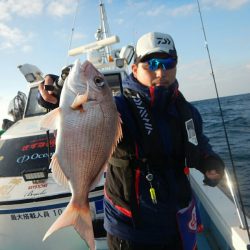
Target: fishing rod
[238,202]
[72,29]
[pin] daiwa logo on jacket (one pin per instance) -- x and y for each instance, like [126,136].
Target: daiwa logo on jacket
[143,114]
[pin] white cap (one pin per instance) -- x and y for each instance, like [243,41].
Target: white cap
[155,42]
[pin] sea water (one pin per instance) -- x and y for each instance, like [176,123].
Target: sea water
[236,114]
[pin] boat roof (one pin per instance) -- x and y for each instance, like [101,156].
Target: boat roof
[25,127]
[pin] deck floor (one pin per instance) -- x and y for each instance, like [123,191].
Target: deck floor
[201,240]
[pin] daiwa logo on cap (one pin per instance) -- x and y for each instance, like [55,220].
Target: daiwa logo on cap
[155,42]
[161,40]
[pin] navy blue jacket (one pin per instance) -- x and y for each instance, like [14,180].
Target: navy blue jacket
[129,211]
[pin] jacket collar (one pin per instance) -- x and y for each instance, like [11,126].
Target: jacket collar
[159,97]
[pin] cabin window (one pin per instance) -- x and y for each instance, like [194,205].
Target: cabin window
[33,108]
[114,81]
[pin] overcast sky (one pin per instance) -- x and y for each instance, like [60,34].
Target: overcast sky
[38,32]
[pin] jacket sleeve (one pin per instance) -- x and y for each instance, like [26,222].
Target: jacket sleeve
[209,160]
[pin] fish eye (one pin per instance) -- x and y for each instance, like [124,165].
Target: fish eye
[99,81]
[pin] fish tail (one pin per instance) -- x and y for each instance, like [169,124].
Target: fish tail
[80,218]
[84,226]
[67,218]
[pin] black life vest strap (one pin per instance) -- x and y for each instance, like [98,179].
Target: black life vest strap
[146,128]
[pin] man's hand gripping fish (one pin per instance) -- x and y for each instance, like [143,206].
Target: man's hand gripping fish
[88,129]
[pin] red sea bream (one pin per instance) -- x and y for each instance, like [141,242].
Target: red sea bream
[88,129]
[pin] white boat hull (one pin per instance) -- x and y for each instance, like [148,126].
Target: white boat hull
[219,216]
[25,221]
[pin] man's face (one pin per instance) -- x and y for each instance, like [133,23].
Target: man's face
[159,77]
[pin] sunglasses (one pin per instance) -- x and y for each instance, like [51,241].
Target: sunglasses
[154,63]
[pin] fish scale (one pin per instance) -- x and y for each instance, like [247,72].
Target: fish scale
[88,129]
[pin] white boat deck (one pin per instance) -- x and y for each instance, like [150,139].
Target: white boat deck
[219,217]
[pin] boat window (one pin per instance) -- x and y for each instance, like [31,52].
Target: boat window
[33,108]
[25,153]
[114,81]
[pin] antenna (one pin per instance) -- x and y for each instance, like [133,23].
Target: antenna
[103,43]
[105,31]
[72,29]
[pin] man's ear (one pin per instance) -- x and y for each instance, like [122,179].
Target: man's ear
[134,69]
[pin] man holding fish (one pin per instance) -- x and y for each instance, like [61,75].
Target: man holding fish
[148,199]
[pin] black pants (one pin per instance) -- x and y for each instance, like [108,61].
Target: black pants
[114,243]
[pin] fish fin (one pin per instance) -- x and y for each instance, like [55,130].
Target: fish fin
[80,218]
[118,135]
[50,120]
[79,101]
[57,172]
[84,226]
[67,218]
[119,129]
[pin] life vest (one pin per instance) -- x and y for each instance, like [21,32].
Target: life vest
[146,153]
[142,135]
[142,128]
